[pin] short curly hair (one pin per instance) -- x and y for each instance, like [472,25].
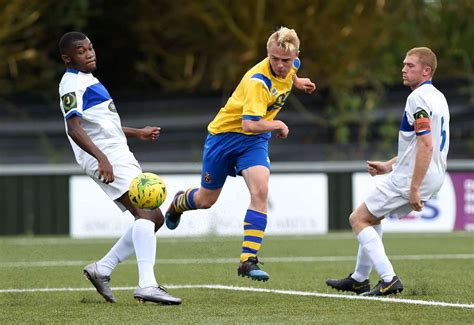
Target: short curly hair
[69,38]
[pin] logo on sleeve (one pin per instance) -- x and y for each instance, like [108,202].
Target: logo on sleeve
[69,101]
[421,114]
[112,107]
[207,178]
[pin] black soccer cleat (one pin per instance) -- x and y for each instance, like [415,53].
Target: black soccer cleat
[386,288]
[172,218]
[349,284]
[250,269]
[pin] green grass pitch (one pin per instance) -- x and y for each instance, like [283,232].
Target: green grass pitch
[41,281]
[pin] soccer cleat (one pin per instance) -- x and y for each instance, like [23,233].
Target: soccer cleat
[250,269]
[172,217]
[100,282]
[386,288]
[349,284]
[155,294]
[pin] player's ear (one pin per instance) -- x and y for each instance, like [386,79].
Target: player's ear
[66,58]
[427,71]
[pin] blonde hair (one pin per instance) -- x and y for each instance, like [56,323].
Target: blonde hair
[426,57]
[285,38]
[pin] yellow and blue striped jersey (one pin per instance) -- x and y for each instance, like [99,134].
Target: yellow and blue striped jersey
[259,95]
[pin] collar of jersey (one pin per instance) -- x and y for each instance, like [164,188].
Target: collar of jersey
[72,70]
[426,82]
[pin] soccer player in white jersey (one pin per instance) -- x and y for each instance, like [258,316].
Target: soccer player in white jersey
[416,175]
[99,143]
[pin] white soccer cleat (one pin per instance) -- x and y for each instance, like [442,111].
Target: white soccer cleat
[100,282]
[155,294]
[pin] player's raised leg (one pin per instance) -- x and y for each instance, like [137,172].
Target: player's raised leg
[182,201]
[192,199]
[215,169]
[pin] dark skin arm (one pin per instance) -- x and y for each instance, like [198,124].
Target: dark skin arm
[148,133]
[106,172]
[76,132]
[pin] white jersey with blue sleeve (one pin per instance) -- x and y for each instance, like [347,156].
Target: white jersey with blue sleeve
[81,94]
[429,106]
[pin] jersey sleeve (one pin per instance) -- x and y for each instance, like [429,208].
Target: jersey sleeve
[71,99]
[419,114]
[257,97]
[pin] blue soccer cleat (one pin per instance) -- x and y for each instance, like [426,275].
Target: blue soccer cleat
[250,269]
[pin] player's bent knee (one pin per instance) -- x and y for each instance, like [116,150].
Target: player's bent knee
[155,216]
[159,221]
[260,195]
[355,219]
[352,219]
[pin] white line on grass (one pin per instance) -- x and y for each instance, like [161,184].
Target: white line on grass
[250,289]
[284,259]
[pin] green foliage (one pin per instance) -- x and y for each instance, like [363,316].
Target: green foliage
[351,49]
[29,33]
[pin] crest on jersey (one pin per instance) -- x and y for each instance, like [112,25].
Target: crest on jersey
[421,114]
[112,107]
[207,178]
[69,101]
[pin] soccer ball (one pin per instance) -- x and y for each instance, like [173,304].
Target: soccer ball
[147,191]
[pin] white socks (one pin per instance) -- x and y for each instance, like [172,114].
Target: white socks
[144,241]
[122,249]
[139,238]
[372,245]
[364,265]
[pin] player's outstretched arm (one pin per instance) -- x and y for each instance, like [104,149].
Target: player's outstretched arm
[148,133]
[80,137]
[304,84]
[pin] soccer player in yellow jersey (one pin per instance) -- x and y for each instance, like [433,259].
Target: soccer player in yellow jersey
[237,143]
